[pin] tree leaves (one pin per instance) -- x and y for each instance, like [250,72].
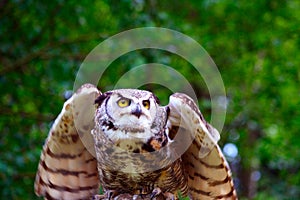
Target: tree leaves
[255,46]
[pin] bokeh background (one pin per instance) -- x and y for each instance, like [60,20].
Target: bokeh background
[255,44]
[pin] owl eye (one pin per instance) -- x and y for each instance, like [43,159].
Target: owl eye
[123,102]
[146,104]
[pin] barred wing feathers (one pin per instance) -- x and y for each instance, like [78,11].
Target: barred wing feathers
[208,173]
[67,167]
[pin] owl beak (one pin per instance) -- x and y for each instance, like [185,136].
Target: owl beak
[137,111]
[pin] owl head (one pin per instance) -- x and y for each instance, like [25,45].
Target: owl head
[128,110]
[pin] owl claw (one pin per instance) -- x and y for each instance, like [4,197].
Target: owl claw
[155,193]
[158,194]
[99,197]
[169,196]
[108,195]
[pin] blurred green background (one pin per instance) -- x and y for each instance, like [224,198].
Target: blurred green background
[255,44]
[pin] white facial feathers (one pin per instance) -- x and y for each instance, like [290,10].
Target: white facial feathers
[127,113]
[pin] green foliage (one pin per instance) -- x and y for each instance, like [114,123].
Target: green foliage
[254,44]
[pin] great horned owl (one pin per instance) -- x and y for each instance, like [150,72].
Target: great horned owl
[124,141]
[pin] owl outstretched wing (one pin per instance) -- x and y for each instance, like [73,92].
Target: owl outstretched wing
[208,173]
[67,167]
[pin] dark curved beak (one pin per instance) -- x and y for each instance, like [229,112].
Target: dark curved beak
[137,111]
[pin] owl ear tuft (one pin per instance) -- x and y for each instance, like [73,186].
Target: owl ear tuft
[156,99]
[99,100]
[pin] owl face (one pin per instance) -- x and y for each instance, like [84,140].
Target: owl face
[130,110]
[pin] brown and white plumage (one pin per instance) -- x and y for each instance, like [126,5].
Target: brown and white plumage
[67,170]
[140,146]
[209,175]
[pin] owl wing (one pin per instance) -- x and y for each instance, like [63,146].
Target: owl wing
[208,173]
[67,167]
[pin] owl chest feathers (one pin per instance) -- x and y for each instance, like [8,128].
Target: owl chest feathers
[169,179]
[130,166]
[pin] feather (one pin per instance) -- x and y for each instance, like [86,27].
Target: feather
[67,168]
[208,173]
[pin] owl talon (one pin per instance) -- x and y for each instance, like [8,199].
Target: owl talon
[99,197]
[169,196]
[135,197]
[156,192]
[108,195]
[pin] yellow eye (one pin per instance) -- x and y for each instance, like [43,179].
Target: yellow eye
[146,104]
[123,102]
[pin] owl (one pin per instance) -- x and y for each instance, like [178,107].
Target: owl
[125,142]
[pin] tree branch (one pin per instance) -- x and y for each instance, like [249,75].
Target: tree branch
[35,116]
[33,55]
